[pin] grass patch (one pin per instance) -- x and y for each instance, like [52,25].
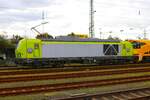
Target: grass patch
[24,97]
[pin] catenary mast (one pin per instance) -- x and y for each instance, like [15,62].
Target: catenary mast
[91,22]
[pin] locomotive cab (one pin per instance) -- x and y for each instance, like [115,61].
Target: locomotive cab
[27,49]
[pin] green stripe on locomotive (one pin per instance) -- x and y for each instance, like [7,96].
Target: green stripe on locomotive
[32,48]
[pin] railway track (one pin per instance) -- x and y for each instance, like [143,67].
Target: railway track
[134,94]
[8,67]
[68,69]
[62,75]
[69,86]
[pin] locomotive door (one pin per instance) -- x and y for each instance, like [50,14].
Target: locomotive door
[36,52]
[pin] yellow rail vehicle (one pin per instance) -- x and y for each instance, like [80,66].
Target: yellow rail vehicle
[141,48]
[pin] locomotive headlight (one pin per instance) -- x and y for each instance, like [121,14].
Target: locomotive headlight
[29,50]
[19,54]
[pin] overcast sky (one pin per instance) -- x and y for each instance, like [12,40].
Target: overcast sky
[65,16]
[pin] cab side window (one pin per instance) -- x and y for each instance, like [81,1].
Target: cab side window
[137,45]
[36,46]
